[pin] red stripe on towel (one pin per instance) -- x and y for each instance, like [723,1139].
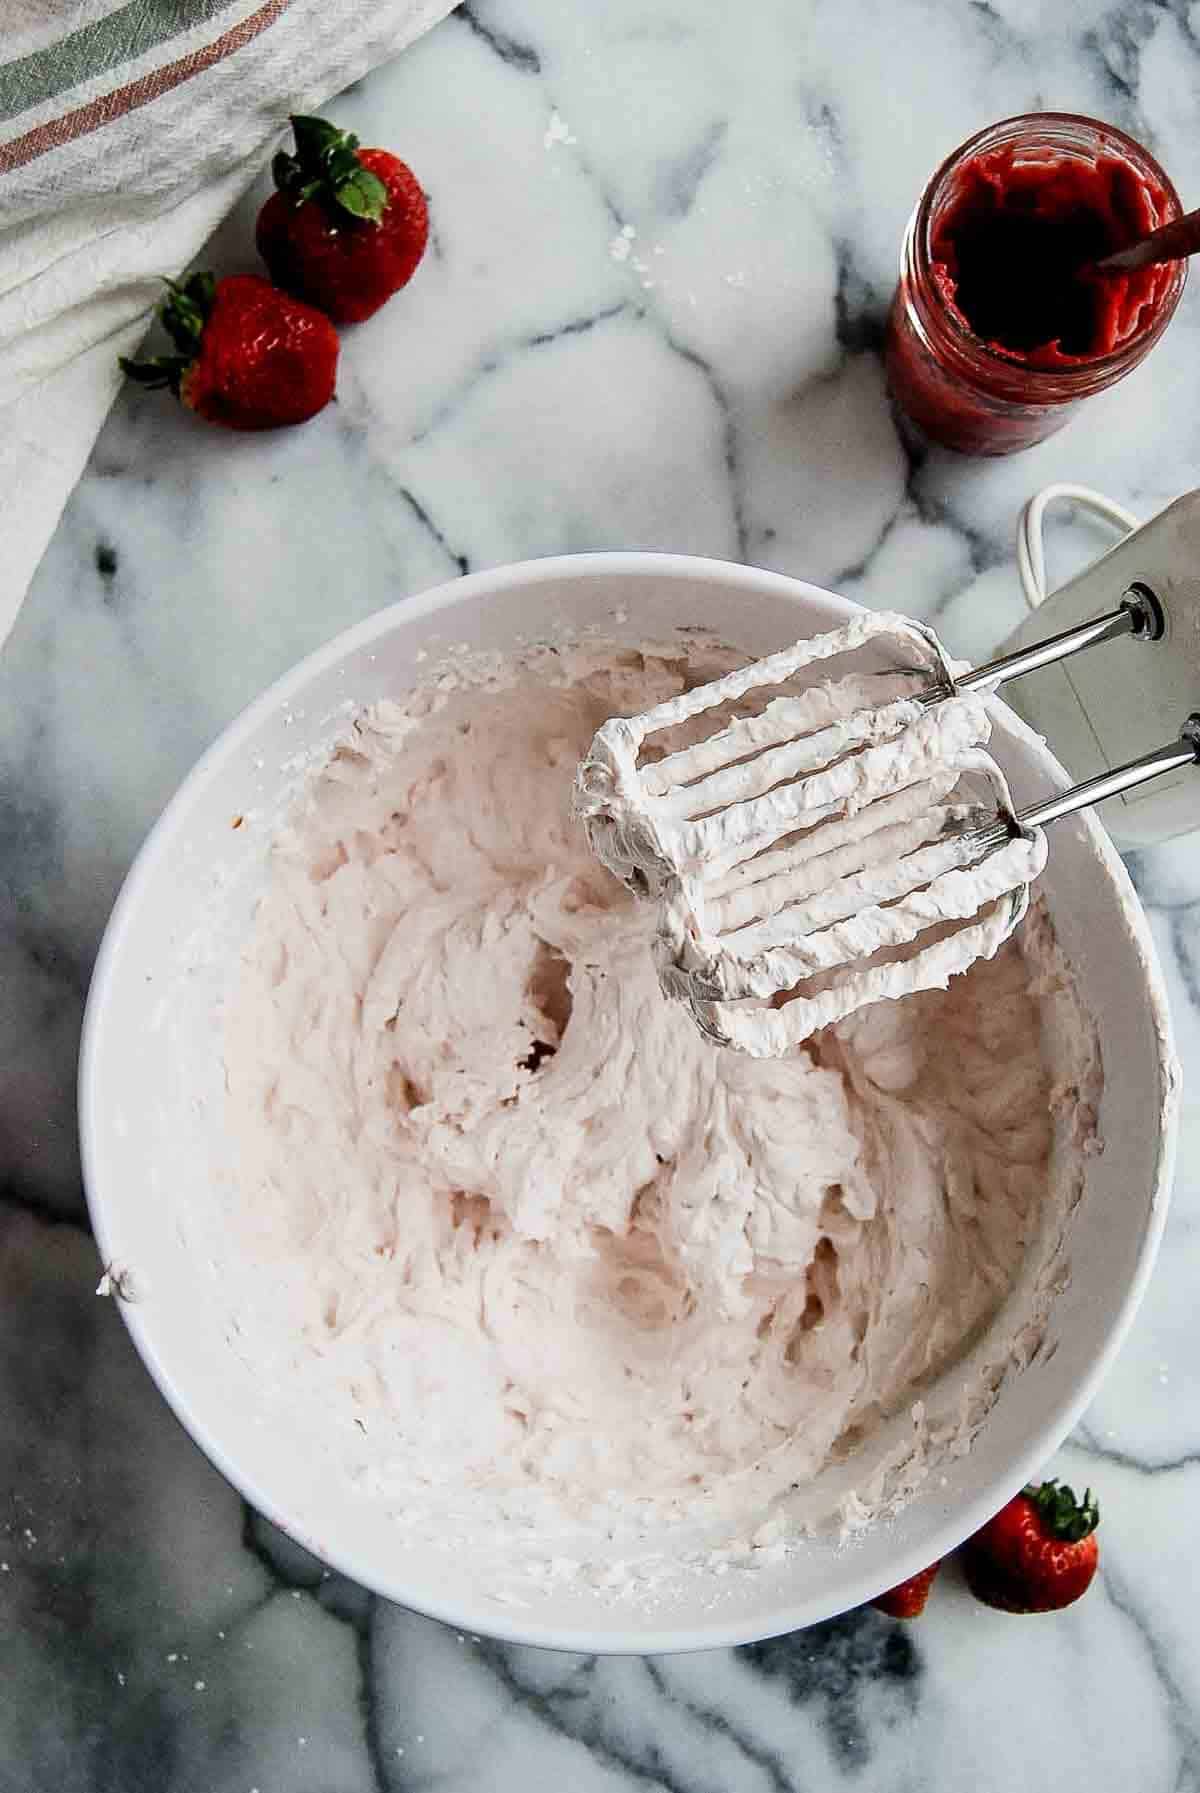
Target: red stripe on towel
[111,106]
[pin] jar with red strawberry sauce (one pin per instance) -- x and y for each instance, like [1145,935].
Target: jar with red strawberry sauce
[1001,324]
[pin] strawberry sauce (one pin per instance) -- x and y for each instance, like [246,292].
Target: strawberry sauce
[1000,323]
[1014,248]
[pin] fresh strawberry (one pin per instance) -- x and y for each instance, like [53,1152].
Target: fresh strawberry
[249,357]
[347,227]
[1038,1554]
[907,1600]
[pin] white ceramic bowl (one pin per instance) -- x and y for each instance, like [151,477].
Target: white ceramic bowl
[151,1107]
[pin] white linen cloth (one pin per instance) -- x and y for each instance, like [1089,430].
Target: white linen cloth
[127,131]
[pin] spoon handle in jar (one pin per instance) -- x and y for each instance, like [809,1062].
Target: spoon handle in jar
[1170,242]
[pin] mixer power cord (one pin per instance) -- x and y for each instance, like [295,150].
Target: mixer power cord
[1031,547]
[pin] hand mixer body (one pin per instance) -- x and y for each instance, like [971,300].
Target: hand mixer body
[1104,707]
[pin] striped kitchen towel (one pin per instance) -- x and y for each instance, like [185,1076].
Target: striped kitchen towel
[127,131]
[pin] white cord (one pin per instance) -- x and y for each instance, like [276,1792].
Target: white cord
[1031,551]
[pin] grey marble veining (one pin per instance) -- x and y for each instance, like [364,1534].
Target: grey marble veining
[664,239]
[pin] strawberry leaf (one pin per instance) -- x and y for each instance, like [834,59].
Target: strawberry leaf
[285,171]
[326,166]
[363,195]
[163,371]
[184,312]
[1062,1515]
[316,138]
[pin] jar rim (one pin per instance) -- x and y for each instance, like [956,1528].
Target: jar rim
[1050,379]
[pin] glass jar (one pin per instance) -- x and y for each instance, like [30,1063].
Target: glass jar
[970,388]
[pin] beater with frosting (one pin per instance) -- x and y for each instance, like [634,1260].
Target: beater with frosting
[824,849]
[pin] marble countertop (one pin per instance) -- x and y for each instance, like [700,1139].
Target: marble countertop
[664,239]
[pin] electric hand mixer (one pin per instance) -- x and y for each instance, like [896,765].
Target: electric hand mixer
[834,843]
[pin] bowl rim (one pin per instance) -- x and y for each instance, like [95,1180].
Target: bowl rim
[482,1618]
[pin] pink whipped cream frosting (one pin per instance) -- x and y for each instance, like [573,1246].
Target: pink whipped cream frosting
[515,1225]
